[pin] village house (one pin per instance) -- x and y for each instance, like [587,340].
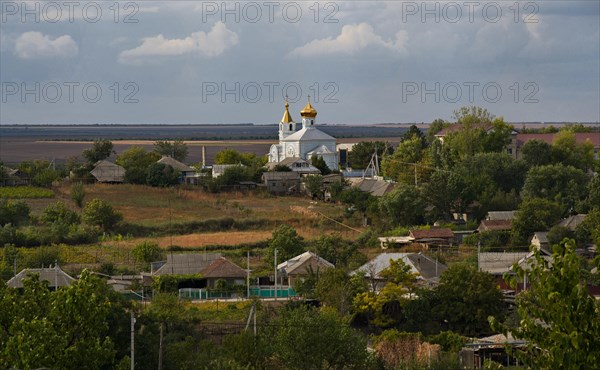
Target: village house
[301,266]
[281,182]
[108,172]
[55,277]
[187,174]
[427,270]
[208,268]
[495,225]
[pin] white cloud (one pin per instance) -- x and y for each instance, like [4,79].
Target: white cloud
[352,39]
[209,44]
[35,45]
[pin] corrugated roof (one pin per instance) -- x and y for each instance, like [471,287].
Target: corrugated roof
[499,262]
[54,275]
[181,167]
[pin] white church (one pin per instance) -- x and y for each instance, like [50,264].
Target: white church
[304,143]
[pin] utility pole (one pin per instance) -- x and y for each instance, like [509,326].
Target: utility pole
[132,341]
[160,347]
[248,275]
[275,273]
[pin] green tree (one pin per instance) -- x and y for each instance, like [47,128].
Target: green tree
[235,174]
[40,172]
[334,249]
[434,127]
[100,213]
[401,165]
[147,252]
[60,213]
[335,288]
[565,185]
[399,273]
[320,164]
[472,115]
[467,298]
[403,206]
[136,160]
[567,151]
[534,214]
[314,185]
[101,149]
[65,329]
[78,193]
[13,212]
[559,316]
[176,149]
[305,338]
[287,242]
[361,153]
[162,175]
[537,153]
[414,132]
[557,233]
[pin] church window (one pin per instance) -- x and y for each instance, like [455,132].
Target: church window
[312,121]
[290,127]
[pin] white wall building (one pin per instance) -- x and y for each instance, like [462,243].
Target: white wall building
[304,143]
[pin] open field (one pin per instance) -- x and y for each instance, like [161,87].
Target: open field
[19,143]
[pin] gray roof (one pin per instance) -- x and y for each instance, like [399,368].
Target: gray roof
[297,164]
[501,215]
[419,263]
[181,167]
[542,236]
[374,187]
[498,263]
[572,222]
[308,134]
[54,275]
[186,263]
[106,171]
[295,265]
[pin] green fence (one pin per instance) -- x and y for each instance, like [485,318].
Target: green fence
[255,291]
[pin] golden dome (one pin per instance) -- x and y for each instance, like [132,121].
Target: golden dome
[308,111]
[287,117]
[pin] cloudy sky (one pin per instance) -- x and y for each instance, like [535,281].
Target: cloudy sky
[361,61]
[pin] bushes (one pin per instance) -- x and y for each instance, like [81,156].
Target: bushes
[13,212]
[147,252]
[60,213]
[99,213]
[78,193]
[21,192]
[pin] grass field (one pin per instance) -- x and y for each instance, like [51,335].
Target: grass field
[164,207]
[25,192]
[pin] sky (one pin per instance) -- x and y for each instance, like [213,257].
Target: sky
[362,62]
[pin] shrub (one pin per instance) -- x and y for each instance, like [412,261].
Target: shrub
[60,213]
[146,252]
[13,212]
[99,213]
[78,193]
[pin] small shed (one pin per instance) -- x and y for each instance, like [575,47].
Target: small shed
[219,169]
[187,173]
[223,269]
[55,277]
[281,182]
[108,172]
